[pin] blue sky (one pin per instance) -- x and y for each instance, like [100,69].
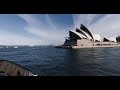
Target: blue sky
[39,29]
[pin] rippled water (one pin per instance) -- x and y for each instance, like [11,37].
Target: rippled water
[50,61]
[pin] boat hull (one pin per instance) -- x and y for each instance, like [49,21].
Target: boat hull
[8,68]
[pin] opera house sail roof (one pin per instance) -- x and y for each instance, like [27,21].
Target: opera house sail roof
[83,32]
[86,30]
[83,38]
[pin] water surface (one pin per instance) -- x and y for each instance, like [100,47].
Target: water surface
[50,61]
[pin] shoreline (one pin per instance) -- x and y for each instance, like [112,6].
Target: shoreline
[77,47]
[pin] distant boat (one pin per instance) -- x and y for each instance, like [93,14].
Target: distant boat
[15,47]
[8,68]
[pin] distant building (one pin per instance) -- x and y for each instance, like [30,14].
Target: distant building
[83,38]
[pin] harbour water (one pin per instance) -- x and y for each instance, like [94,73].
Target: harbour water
[51,61]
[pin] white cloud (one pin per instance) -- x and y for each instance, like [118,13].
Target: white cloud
[11,39]
[28,18]
[80,19]
[47,32]
[50,22]
[106,25]
[50,37]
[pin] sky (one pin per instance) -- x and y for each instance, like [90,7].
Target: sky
[45,29]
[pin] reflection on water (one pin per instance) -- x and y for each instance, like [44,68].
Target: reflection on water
[94,61]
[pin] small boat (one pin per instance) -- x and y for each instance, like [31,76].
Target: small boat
[8,68]
[62,46]
[15,47]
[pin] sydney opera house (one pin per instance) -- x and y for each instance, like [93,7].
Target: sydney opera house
[83,38]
